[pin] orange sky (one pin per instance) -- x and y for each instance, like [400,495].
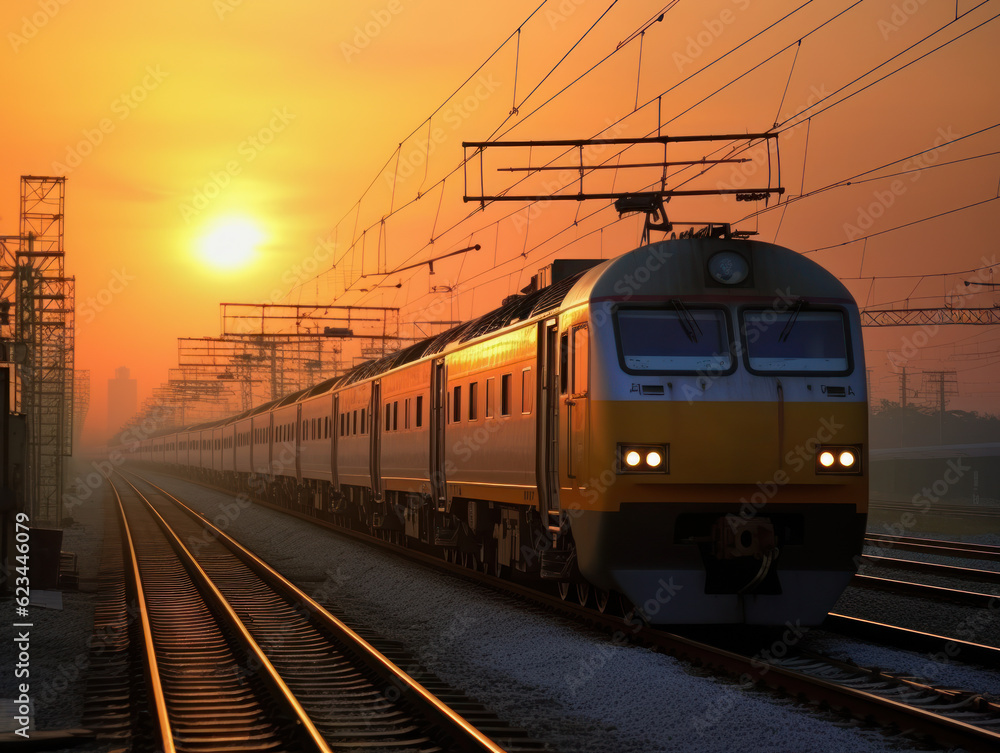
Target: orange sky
[170,117]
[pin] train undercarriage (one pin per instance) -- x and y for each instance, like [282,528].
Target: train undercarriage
[678,569]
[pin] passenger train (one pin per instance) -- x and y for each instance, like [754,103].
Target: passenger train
[683,427]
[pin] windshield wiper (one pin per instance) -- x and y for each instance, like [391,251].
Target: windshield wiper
[791,320]
[687,321]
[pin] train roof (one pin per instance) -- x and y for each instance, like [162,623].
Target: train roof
[777,270]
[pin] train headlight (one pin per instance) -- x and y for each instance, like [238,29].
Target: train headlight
[643,458]
[843,460]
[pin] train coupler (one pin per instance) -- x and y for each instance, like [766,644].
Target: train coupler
[733,536]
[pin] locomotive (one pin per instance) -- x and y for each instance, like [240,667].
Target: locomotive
[682,428]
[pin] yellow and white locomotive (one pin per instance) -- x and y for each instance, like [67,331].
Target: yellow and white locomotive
[684,426]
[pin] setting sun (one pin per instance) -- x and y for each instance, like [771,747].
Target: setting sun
[230,243]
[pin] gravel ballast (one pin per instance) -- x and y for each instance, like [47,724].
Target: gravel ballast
[562,683]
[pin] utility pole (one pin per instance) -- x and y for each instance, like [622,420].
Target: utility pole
[947,384]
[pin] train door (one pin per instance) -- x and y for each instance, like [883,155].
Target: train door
[574,388]
[299,436]
[438,401]
[333,419]
[375,447]
[547,470]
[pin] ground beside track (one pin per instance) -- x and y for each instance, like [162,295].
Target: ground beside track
[561,682]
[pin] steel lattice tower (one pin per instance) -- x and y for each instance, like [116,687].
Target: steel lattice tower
[43,321]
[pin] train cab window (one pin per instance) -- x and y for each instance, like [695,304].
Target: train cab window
[527,390]
[490,395]
[420,411]
[474,401]
[581,354]
[505,380]
[456,414]
[673,340]
[796,341]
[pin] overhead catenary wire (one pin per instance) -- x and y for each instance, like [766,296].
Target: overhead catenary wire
[658,99]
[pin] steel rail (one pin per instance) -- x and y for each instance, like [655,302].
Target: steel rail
[753,670]
[134,578]
[284,695]
[953,595]
[467,736]
[934,645]
[933,568]
[942,548]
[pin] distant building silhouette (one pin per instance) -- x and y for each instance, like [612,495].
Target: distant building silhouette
[123,399]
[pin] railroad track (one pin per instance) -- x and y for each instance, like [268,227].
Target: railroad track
[937,548]
[969,511]
[935,647]
[900,703]
[922,590]
[236,657]
[965,574]
[959,549]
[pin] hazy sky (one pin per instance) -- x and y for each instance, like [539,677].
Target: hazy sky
[306,131]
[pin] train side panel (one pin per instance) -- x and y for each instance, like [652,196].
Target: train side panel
[242,455]
[353,427]
[281,440]
[405,429]
[317,437]
[490,435]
